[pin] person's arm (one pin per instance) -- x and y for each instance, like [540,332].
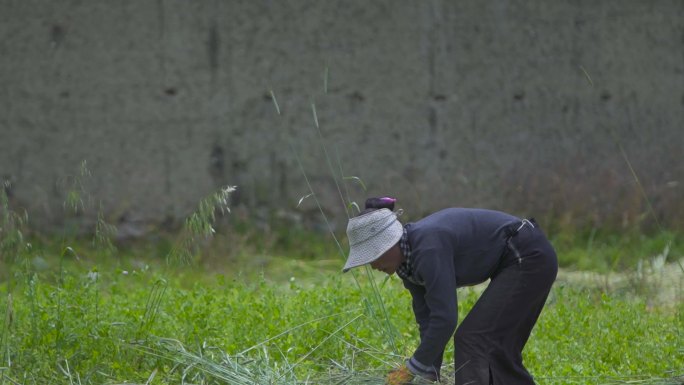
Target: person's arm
[422,314]
[420,309]
[434,265]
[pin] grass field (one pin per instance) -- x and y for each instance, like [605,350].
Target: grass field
[88,317]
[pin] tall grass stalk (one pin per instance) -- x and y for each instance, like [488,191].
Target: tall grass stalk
[623,153]
[209,363]
[374,299]
[290,330]
[5,337]
[638,182]
[213,363]
[367,349]
[12,244]
[199,226]
[154,301]
[76,192]
[331,335]
[95,276]
[346,189]
[67,372]
[642,191]
[377,298]
[59,323]
[104,233]
[327,157]
[385,319]
[312,193]
[11,227]
[31,295]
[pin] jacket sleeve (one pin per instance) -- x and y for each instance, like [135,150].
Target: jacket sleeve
[420,309]
[422,314]
[434,265]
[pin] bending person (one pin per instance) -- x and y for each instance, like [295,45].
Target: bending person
[452,248]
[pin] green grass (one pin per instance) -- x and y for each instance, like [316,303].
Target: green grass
[613,250]
[243,242]
[93,320]
[262,305]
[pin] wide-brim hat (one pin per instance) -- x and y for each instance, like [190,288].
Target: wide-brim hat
[370,235]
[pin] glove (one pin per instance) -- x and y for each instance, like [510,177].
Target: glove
[427,373]
[399,376]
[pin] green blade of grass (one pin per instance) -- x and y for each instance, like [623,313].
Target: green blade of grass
[295,328]
[327,157]
[375,297]
[321,343]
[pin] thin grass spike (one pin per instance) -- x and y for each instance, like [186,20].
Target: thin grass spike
[151,309]
[327,157]
[346,189]
[302,199]
[357,179]
[275,102]
[587,75]
[638,182]
[321,343]
[389,329]
[376,295]
[292,329]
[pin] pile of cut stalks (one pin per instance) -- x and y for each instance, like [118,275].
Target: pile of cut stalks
[213,366]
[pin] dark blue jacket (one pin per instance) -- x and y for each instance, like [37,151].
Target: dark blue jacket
[451,248]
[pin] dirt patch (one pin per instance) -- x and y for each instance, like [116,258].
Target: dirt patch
[659,282]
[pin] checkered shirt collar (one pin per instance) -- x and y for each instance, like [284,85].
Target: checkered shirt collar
[404,270]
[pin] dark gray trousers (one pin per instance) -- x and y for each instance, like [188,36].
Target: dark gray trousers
[489,342]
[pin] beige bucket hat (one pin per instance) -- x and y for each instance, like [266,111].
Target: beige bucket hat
[370,236]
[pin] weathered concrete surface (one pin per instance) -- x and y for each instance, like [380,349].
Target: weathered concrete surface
[516,105]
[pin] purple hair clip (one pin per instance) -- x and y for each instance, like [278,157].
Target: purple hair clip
[388,199]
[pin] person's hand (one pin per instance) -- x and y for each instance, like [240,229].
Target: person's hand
[399,376]
[427,374]
[406,373]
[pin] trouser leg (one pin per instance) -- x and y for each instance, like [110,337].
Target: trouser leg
[489,342]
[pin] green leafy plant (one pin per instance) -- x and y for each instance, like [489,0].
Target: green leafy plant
[148,321]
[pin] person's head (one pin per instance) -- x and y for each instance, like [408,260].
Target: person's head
[374,237]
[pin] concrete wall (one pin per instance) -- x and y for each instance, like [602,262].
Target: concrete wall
[515,105]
